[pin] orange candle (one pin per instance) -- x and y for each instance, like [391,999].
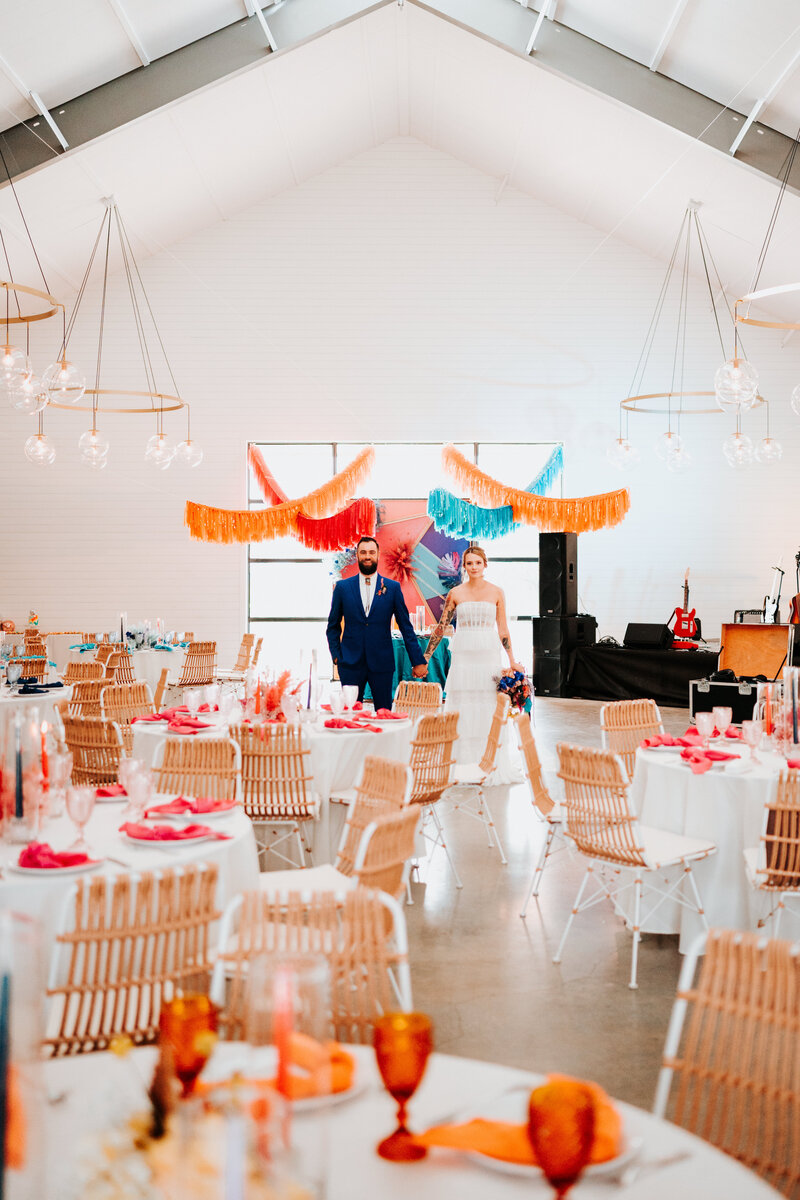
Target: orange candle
[768,709]
[258,698]
[282,1025]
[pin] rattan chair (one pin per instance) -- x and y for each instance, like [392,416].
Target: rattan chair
[119,668]
[161,688]
[33,666]
[87,638]
[200,665]
[124,944]
[602,824]
[544,806]
[276,788]
[367,956]
[121,702]
[256,653]
[79,672]
[384,854]
[96,747]
[239,668]
[432,763]
[84,700]
[471,778]
[104,652]
[731,1066]
[417,698]
[773,867]
[625,723]
[199,766]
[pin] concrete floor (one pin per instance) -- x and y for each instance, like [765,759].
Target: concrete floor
[486,976]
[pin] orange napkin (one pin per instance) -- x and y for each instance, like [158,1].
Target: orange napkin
[325,1067]
[16,1143]
[39,854]
[111,789]
[180,805]
[169,833]
[509,1141]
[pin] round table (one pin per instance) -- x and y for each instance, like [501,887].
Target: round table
[147,664]
[42,896]
[44,701]
[90,1087]
[728,808]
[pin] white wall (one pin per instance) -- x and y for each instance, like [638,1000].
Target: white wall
[391,298]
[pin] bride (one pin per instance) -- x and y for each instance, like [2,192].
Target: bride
[481,630]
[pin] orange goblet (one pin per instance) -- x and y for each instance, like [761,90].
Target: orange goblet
[189,1024]
[561,1119]
[403,1042]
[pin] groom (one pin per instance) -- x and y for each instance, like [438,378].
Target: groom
[363,649]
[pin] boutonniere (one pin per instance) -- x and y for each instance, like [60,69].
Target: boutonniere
[382,588]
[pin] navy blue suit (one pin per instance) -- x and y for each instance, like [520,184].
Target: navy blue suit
[363,649]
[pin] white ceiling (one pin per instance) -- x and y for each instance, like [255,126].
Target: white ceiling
[393,72]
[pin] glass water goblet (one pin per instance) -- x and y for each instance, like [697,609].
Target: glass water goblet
[337,699]
[722,719]
[60,766]
[403,1043]
[188,1023]
[561,1121]
[13,674]
[705,726]
[752,732]
[80,806]
[349,695]
[211,692]
[193,698]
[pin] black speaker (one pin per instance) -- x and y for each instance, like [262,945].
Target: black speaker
[550,675]
[558,574]
[648,637]
[560,635]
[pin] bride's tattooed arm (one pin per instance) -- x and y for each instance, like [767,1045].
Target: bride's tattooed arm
[444,621]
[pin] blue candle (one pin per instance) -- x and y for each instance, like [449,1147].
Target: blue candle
[19,810]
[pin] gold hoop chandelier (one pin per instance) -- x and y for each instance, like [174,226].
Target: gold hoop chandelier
[678,401]
[68,387]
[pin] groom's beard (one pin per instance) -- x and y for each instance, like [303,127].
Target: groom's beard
[367,568]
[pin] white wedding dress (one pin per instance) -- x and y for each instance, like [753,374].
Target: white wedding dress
[475,663]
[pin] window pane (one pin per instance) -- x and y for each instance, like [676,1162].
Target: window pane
[404,469]
[520,582]
[287,547]
[515,463]
[288,645]
[290,590]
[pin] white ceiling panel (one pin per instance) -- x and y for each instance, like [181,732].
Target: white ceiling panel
[165,27]
[631,29]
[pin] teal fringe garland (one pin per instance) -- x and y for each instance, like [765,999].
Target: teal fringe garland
[459,518]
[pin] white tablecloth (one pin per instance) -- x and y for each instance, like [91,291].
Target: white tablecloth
[42,896]
[147,664]
[726,808]
[44,701]
[93,1085]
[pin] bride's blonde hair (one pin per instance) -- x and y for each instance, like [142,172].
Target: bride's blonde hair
[476,550]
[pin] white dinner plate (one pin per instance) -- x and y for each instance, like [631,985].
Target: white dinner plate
[55,871]
[177,844]
[512,1106]
[111,799]
[259,1063]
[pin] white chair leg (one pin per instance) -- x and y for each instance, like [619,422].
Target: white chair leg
[637,916]
[571,917]
[777,922]
[696,894]
[536,878]
[443,844]
[491,828]
[409,897]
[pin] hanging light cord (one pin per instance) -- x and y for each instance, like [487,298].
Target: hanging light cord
[101,330]
[644,355]
[776,209]
[24,222]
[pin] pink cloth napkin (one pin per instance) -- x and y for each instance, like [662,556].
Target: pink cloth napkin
[386,714]
[340,723]
[730,732]
[659,739]
[151,717]
[111,789]
[184,708]
[39,854]
[794,763]
[170,833]
[203,804]
[700,760]
[187,725]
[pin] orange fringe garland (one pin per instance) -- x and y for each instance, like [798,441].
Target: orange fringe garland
[271,490]
[545,512]
[342,529]
[208,524]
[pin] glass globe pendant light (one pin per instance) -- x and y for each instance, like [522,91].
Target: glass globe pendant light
[159,452]
[38,450]
[29,396]
[794,400]
[188,453]
[94,448]
[738,450]
[679,460]
[15,367]
[736,385]
[64,382]
[666,444]
[768,450]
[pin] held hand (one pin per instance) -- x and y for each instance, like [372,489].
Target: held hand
[421,671]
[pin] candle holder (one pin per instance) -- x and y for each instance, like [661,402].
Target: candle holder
[22,776]
[790,711]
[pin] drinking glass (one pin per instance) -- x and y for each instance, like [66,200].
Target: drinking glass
[193,698]
[13,674]
[722,719]
[337,699]
[286,994]
[138,783]
[349,695]
[705,726]
[403,1043]
[189,1024]
[211,692]
[60,773]
[80,805]
[561,1120]
[752,732]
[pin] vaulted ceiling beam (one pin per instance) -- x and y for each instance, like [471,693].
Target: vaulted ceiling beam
[33,99]
[764,100]
[254,10]
[130,32]
[666,36]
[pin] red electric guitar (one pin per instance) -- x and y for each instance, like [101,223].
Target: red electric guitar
[685,624]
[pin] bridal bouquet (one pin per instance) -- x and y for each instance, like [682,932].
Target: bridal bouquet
[517,687]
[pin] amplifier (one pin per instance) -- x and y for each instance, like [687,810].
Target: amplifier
[648,637]
[555,636]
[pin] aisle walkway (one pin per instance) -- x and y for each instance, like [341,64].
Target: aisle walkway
[486,976]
